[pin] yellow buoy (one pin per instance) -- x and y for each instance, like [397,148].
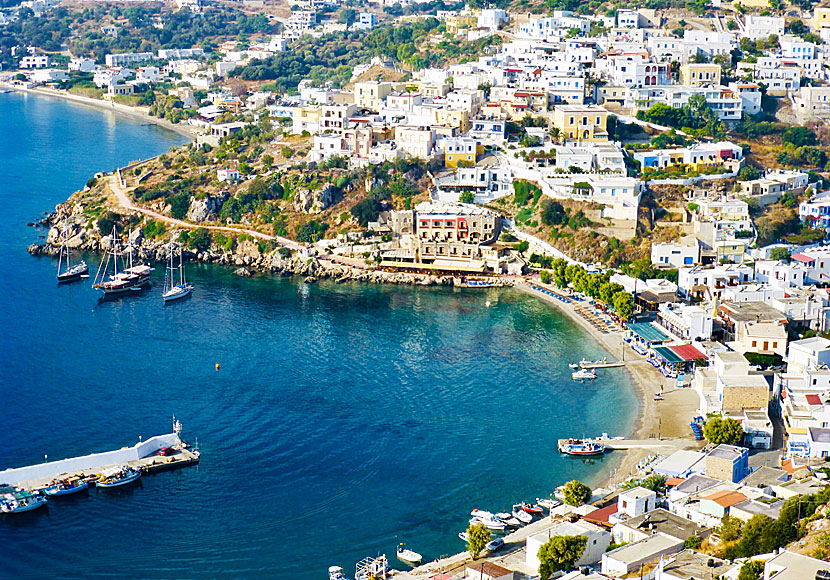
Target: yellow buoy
[217,366]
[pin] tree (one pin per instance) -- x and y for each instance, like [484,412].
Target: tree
[545,276]
[553,213]
[366,210]
[751,571]
[748,173]
[719,431]
[730,528]
[624,304]
[467,197]
[799,136]
[179,204]
[560,553]
[477,537]
[577,493]
[779,254]
[692,543]
[106,221]
[199,239]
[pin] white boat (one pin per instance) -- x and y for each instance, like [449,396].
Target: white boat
[489,523]
[574,365]
[511,521]
[464,536]
[70,273]
[521,515]
[548,503]
[481,514]
[336,573]
[67,487]
[15,501]
[173,291]
[583,375]
[408,556]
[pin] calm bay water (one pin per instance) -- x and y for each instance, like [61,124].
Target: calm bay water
[343,416]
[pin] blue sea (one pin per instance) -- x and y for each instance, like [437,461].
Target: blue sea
[344,418]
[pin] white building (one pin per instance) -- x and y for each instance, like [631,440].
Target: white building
[35,61]
[762,27]
[127,58]
[82,64]
[598,540]
[675,255]
[687,322]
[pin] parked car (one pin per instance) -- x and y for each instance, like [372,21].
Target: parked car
[165,451]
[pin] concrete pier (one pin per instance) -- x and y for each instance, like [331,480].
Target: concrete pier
[143,456]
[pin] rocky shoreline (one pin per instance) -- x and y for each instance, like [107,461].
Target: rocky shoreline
[247,256]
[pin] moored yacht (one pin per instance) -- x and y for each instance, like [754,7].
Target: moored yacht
[132,277]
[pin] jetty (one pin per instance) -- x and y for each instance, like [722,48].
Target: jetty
[143,456]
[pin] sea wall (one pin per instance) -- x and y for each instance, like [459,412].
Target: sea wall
[88,463]
[248,257]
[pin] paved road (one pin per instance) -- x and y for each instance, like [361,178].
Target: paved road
[124,201]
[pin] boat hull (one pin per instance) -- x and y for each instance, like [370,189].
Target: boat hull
[50,491]
[177,295]
[120,482]
[25,508]
[72,276]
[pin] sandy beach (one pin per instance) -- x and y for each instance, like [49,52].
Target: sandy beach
[667,420]
[141,113]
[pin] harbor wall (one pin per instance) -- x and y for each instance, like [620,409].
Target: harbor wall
[88,463]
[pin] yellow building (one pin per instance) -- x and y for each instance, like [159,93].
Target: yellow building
[461,149]
[699,74]
[581,122]
[821,18]
[370,94]
[453,118]
[460,22]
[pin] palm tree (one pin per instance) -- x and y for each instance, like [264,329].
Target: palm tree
[554,134]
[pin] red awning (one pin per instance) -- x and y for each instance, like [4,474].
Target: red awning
[803,258]
[687,352]
[813,400]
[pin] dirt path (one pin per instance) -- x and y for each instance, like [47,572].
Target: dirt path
[123,201]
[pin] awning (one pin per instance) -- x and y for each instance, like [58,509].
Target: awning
[647,332]
[803,258]
[679,353]
[813,399]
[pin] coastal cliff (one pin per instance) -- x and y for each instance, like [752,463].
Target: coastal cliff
[248,256]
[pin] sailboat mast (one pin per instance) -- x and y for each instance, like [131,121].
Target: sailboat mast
[181,267]
[115,250]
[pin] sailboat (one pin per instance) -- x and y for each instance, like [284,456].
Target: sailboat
[173,291]
[132,278]
[71,273]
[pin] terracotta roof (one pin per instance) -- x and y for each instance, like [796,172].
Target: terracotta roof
[726,498]
[674,481]
[489,568]
[813,400]
[601,515]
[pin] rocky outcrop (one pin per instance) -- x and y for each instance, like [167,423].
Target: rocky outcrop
[314,201]
[246,257]
[206,208]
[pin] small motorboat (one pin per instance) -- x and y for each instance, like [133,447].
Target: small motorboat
[408,556]
[574,366]
[521,515]
[68,487]
[583,375]
[15,501]
[336,573]
[511,522]
[533,510]
[494,544]
[580,447]
[489,523]
[464,536]
[118,477]
[548,503]
[484,514]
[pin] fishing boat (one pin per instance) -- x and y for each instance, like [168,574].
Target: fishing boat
[15,501]
[118,477]
[336,573]
[521,515]
[408,556]
[67,487]
[548,503]
[132,277]
[580,447]
[70,273]
[599,364]
[464,536]
[489,523]
[583,375]
[173,291]
[533,510]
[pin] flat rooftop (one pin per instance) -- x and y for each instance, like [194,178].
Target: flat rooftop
[751,312]
[644,549]
[691,565]
[662,520]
